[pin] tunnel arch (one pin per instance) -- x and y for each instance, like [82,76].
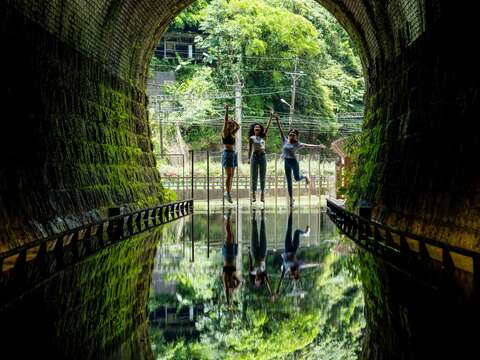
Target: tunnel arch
[77,83]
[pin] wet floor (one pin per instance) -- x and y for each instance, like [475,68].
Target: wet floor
[233,284]
[257,285]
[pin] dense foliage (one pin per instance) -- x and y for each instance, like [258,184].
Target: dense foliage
[258,42]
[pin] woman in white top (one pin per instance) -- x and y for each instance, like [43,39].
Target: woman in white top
[257,157]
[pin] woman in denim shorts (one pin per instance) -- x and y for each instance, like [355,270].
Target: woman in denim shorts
[229,156]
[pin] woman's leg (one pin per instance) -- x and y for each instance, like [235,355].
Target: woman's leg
[263,237]
[254,238]
[288,176]
[230,172]
[253,172]
[262,164]
[288,235]
[296,170]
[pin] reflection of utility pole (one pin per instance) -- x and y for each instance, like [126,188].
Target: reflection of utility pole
[238,118]
[295,76]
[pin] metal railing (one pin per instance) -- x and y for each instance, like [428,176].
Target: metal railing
[207,180]
[386,240]
[88,239]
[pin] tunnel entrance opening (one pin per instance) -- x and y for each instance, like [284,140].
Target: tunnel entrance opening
[75,93]
[295,51]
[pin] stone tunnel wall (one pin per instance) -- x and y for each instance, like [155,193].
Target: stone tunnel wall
[97,308]
[75,138]
[419,166]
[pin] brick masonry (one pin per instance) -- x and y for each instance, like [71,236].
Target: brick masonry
[76,140]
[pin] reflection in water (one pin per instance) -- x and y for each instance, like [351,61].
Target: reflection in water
[93,309]
[303,298]
[288,307]
[258,251]
[231,281]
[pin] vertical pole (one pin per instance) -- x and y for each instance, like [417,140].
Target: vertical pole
[161,132]
[310,175]
[276,183]
[319,181]
[298,182]
[238,119]
[295,75]
[183,176]
[238,176]
[192,219]
[223,186]
[208,204]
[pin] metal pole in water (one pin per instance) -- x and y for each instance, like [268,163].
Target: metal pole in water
[276,182]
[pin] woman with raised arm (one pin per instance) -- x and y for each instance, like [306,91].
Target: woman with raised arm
[229,156]
[290,145]
[257,157]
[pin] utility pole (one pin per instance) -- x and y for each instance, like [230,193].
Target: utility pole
[160,116]
[238,117]
[295,76]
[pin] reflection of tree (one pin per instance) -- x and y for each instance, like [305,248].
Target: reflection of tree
[327,323]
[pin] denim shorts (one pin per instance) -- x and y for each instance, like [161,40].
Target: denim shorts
[229,251]
[229,158]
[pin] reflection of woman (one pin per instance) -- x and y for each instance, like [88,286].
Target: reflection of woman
[229,156]
[290,264]
[257,157]
[258,253]
[231,281]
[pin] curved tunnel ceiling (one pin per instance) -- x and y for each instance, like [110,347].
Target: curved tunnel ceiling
[123,34]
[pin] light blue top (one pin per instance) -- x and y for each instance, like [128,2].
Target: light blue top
[288,149]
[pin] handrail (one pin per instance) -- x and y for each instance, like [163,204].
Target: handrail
[359,228]
[185,206]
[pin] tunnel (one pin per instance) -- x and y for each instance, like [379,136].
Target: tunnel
[76,140]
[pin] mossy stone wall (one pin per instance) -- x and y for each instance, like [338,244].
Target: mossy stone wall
[75,138]
[417,164]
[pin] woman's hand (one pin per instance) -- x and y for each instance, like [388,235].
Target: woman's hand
[321,146]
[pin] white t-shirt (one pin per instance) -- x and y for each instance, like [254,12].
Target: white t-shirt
[258,143]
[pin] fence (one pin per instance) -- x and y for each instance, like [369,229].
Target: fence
[209,179]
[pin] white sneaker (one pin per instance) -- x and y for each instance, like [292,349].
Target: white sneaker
[307,231]
[228,197]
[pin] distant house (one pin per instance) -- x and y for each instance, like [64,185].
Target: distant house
[178,43]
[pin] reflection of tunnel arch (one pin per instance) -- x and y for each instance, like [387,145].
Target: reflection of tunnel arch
[75,83]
